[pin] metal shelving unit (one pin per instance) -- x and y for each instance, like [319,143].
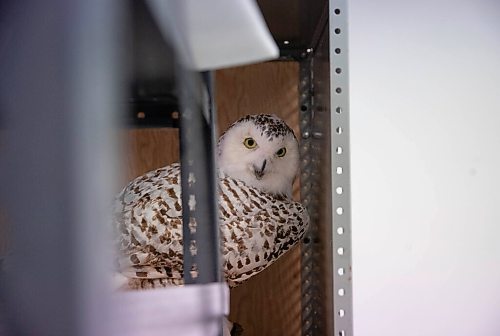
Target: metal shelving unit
[313,34]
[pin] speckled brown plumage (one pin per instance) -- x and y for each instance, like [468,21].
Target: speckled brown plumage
[258,220]
[256,229]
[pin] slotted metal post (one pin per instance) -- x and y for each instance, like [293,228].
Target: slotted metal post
[325,180]
[340,168]
[198,173]
[313,307]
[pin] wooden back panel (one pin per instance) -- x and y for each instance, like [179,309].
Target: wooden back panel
[269,303]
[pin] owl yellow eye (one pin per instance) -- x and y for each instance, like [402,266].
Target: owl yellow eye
[250,143]
[281,152]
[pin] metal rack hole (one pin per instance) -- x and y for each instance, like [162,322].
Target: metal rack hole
[340,230]
[339,210]
[339,150]
[340,251]
[339,170]
[339,190]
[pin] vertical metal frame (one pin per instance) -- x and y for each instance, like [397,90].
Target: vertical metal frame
[340,168]
[316,191]
[325,180]
[60,95]
[198,179]
[312,316]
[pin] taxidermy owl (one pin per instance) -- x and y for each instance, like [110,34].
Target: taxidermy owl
[258,159]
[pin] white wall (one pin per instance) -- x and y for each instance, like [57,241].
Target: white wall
[425,145]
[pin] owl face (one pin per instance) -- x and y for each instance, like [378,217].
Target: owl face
[262,151]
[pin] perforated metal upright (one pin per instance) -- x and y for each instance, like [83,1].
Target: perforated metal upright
[325,178]
[166,93]
[340,167]
[197,143]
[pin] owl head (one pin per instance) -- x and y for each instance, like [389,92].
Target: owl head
[262,151]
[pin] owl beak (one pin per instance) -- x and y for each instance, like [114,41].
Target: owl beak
[259,171]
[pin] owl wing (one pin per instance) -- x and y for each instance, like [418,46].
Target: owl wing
[257,228]
[148,222]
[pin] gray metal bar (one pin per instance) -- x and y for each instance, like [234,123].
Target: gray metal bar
[340,172]
[317,191]
[311,195]
[58,95]
[198,178]
[326,258]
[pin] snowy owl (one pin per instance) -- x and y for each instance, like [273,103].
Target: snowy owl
[258,159]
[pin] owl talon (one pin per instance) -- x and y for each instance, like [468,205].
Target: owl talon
[237,329]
